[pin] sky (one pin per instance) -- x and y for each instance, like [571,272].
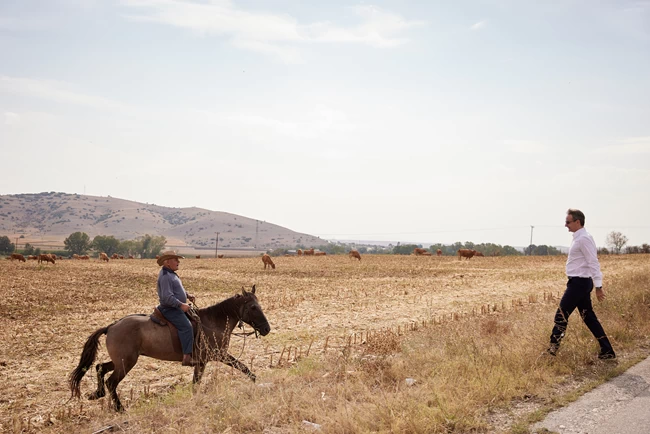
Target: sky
[400,120]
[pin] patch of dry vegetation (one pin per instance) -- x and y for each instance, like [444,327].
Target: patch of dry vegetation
[393,344]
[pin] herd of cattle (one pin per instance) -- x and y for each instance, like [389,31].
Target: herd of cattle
[266,259]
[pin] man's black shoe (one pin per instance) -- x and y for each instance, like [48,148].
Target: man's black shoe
[552,350]
[607,356]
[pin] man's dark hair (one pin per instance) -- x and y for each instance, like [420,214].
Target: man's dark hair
[577,215]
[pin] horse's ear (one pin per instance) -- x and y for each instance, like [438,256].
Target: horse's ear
[243,291]
[253,289]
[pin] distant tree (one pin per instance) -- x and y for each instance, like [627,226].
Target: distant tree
[150,246]
[127,247]
[616,241]
[404,249]
[603,251]
[77,243]
[510,251]
[28,250]
[106,243]
[6,246]
[530,249]
[645,248]
[632,249]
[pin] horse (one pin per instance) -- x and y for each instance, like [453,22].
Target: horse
[136,335]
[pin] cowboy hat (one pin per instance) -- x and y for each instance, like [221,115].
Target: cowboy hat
[169,254]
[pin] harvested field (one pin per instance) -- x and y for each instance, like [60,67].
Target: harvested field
[315,305]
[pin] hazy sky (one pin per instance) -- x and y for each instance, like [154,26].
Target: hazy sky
[391,120]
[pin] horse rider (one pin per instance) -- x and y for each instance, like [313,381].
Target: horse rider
[173,302]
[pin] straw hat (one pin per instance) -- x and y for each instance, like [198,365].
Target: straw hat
[169,254]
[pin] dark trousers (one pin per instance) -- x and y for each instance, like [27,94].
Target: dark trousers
[578,295]
[177,317]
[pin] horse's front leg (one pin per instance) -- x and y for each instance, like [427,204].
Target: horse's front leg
[198,372]
[231,361]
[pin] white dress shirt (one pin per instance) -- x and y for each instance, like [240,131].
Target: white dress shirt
[583,258]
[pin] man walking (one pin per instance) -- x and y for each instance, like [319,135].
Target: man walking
[583,272]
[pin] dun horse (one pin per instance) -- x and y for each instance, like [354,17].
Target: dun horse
[136,335]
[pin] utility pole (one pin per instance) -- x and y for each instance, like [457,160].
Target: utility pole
[16,246]
[216,248]
[531,241]
[257,228]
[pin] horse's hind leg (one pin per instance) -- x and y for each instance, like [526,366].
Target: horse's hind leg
[102,369]
[120,371]
[231,361]
[198,372]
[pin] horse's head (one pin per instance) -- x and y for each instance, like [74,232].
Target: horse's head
[252,313]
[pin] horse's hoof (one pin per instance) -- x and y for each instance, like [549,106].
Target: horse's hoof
[252,377]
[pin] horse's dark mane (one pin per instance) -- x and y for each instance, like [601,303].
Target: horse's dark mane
[227,307]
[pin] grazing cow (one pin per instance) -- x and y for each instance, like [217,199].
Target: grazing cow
[309,252]
[84,257]
[103,257]
[33,257]
[439,252]
[478,254]
[299,252]
[320,253]
[466,253]
[121,256]
[46,257]
[198,256]
[267,261]
[75,256]
[115,256]
[131,257]
[420,252]
[355,254]
[219,256]
[18,256]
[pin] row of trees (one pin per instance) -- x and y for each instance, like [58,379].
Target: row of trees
[147,246]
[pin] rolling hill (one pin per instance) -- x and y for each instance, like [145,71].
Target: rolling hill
[51,217]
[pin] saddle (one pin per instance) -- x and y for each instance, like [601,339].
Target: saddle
[157,317]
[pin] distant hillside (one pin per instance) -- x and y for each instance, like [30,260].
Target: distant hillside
[54,216]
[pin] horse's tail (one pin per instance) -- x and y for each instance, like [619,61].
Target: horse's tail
[85,362]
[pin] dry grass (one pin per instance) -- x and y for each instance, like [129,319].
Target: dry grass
[392,344]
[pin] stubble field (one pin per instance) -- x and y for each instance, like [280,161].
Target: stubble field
[329,316]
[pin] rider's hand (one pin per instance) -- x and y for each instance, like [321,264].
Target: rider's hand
[185,307]
[191,298]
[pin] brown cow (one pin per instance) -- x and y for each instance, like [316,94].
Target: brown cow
[354,254]
[198,256]
[267,261]
[115,256]
[309,252]
[18,256]
[299,252]
[103,257]
[439,252]
[219,256]
[84,257]
[466,253]
[320,253]
[131,257]
[421,252]
[479,254]
[46,257]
